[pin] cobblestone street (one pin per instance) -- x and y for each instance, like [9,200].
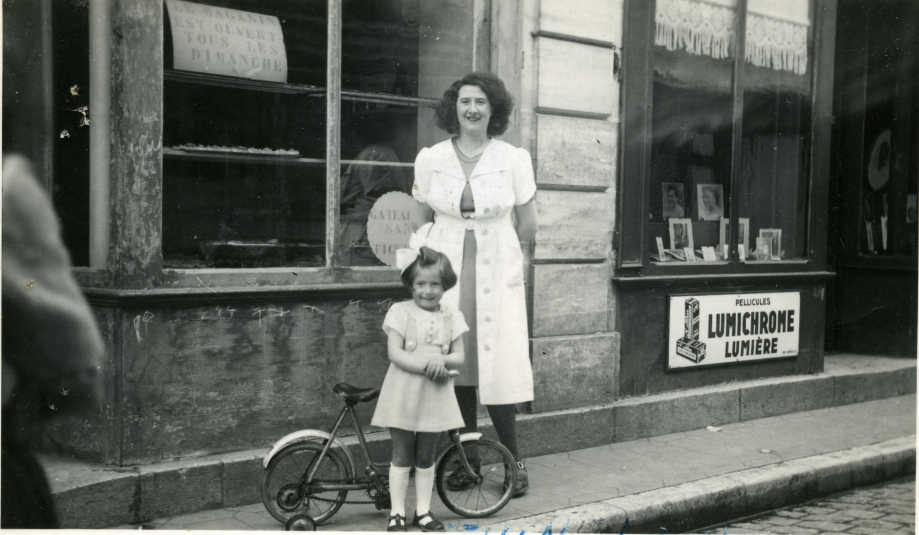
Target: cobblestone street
[877,510]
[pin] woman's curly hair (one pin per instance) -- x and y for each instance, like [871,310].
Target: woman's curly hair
[502,103]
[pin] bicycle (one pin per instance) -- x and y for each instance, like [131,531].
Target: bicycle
[309,473]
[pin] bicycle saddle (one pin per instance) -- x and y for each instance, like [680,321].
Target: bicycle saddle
[354,395]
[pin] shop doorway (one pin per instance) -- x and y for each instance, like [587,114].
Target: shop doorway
[871,304]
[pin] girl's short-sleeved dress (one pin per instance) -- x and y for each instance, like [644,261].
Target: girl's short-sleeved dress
[411,401]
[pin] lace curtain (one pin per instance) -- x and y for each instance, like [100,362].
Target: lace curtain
[776,35]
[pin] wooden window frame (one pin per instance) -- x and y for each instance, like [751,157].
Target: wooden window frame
[633,253]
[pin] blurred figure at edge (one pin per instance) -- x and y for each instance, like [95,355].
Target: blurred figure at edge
[52,349]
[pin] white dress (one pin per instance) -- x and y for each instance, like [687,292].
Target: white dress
[502,179]
[411,401]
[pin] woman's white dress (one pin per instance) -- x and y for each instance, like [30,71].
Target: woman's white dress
[502,179]
[411,401]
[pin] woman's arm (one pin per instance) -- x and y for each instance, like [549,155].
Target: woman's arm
[421,215]
[527,221]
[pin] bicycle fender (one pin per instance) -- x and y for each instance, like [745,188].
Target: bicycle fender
[307,435]
[466,437]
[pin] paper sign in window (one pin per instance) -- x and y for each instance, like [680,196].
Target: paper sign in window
[228,42]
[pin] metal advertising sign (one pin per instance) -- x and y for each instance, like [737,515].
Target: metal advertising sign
[728,328]
[229,42]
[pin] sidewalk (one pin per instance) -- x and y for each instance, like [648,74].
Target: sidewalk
[666,483]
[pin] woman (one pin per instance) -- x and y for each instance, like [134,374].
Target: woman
[480,193]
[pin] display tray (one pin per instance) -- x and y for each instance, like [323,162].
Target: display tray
[248,249]
[214,149]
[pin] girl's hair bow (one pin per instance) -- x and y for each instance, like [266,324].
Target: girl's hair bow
[406,256]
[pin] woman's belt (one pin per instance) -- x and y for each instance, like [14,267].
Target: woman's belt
[478,223]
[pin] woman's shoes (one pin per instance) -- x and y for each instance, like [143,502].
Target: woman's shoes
[431,525]
[459,479]
[523,480]
[397,523]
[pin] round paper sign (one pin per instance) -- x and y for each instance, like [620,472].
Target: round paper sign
[388,225]
[879,163]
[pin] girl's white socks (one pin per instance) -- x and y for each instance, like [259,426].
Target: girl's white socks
[424,488]
[398,486]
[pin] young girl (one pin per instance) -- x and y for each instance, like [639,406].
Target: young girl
[416,401]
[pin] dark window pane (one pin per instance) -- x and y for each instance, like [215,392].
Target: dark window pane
[70,189]
[244,174]
[691,150]
[772,186]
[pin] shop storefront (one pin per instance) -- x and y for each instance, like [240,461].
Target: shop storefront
[725,176]
[221,200]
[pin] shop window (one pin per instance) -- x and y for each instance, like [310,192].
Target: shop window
[246,177]
[886,194]
[728,137]
[45,106]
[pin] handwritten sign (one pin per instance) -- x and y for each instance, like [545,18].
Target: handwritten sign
[729,328]
[229,42]
[388,226]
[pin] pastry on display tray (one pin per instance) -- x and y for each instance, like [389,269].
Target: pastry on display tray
[237,150]
[252,248]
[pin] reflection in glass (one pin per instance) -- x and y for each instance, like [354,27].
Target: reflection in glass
[375,145]
[401,48]
[691,139]
[772,186]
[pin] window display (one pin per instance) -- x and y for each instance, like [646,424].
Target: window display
[699,88]
[246,179]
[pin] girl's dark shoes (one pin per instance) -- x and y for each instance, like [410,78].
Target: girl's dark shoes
[431,524]
[397,523]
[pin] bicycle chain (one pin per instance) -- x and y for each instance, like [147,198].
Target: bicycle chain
[353,502]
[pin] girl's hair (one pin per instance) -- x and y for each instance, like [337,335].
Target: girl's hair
[428,257]
[502,103]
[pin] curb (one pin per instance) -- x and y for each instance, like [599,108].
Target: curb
[712,500]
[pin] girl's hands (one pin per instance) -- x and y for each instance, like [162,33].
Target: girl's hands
[436,371]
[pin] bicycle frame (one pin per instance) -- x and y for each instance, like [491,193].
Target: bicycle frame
[320,486]
[311,470]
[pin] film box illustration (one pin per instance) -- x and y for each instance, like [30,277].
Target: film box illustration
[689,346]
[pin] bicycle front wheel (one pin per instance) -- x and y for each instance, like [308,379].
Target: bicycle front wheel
[284,489]
[497,472]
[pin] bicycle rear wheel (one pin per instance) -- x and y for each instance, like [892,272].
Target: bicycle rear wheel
[284,489]
[498,471]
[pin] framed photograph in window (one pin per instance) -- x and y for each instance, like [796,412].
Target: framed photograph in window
[724,232]
[674,201]
[775,236]
[680,233]
[710,201]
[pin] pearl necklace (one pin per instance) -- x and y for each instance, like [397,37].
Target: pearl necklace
[462,155]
